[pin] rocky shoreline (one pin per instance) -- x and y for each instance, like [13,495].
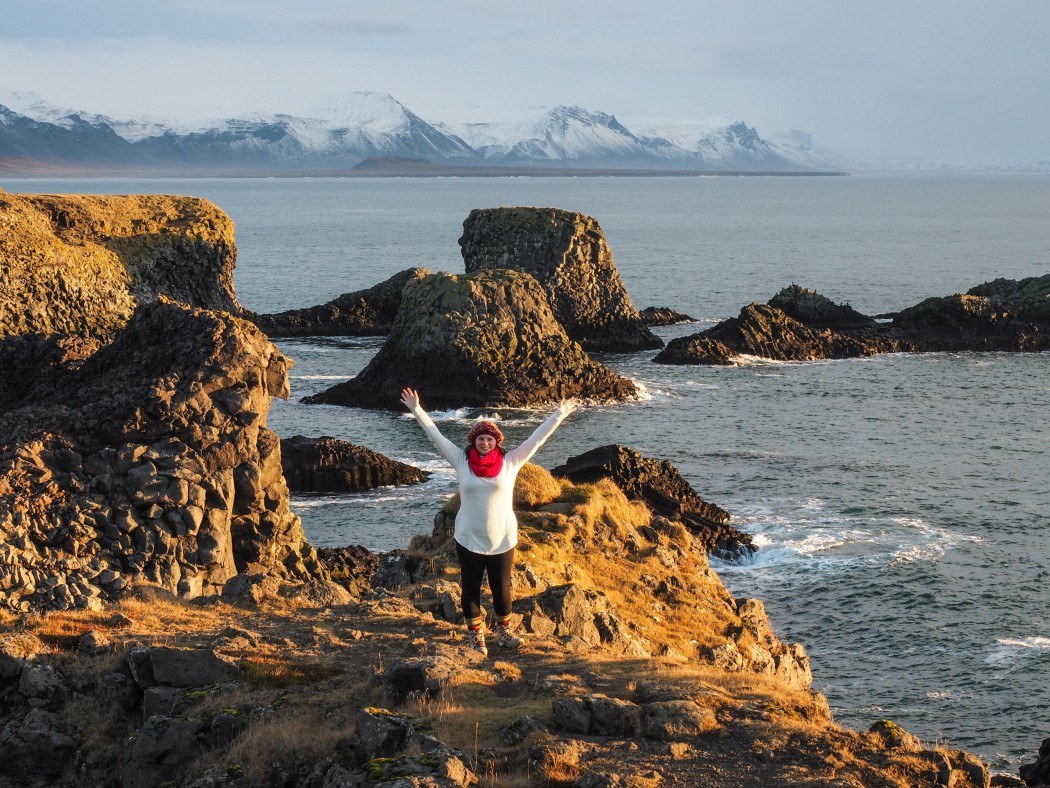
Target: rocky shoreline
[164,620]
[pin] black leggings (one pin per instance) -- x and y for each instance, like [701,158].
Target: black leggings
[472,567]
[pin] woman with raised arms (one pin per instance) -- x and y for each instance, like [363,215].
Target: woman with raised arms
[486,531]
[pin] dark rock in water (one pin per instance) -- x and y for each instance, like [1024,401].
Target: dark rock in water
[147,461]
[351,567]
[817,311]
[328,464]
[1038,772]
[368,312]
[765,331]
[661,486]
[802,325]
[663,316]
[78,264]
[482,339]
[568,255]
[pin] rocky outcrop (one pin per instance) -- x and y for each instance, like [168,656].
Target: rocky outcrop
[802,325]
[146,461]
[817,311]
[1038,772]
[328,464]
[81,264]
[368,312]
[567,254]
[661,486]
[482,339]
[663,316]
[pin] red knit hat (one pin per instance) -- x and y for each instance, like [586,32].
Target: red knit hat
[484,428]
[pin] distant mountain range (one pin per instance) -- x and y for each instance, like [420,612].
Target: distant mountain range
[37,137]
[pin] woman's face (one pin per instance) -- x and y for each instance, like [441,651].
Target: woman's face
[484,444]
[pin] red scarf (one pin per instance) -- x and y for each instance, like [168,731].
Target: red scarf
[488,466]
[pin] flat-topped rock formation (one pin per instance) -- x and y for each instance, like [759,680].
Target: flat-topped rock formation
[659,484]
[81,264]
[368,312]
[567,254]
[482,339]
[328,464]
[802,325]
[145,460]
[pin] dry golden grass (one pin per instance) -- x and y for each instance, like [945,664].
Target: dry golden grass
[535,487]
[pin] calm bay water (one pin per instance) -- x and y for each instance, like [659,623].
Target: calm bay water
[901,502]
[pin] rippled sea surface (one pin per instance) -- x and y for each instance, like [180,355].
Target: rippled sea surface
[901,502]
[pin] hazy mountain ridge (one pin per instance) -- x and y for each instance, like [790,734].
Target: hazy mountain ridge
[364,125]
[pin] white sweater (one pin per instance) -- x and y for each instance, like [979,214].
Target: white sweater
[486,523]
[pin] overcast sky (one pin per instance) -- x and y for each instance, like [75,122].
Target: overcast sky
[960,81]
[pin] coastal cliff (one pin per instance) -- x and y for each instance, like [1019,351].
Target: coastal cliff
[81,264]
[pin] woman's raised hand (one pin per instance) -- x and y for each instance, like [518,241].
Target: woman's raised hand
[568,405]
[410,398]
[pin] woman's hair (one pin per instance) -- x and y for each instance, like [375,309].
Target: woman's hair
[485,428]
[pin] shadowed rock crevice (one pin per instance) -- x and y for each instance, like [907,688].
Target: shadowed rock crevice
[568,255]
[483,339]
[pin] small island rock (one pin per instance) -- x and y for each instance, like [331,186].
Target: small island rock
[327,464]
[482,339]
[568,255]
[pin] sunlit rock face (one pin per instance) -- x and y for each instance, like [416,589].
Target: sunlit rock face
[568,255]
[81,264]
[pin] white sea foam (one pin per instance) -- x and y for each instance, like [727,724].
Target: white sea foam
[1010,650]
[318,377]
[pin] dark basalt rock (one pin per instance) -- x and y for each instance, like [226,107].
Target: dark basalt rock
[351,567]
[368,312]
[146,461]
[801,325]
[567,254]
[328,464]
[482,339]
[1038,772]
[817,311]
[765,331]
[663,316]
[659,484]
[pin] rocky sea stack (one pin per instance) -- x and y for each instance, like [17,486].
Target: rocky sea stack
[147,459]
[802,325]
[482,339]
[81,264]
[568,255]
[368,312]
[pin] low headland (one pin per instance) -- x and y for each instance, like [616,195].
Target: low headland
[164,619]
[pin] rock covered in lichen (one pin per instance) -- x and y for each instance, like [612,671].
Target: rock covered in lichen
[483,339]
[568,255]
[81,264]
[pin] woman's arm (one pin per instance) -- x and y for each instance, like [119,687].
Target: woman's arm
[446,448]
[524,452]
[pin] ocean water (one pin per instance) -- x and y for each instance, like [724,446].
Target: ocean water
[900,502]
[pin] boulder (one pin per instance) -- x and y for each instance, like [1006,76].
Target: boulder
[568,255]
[596,714]
[162,752]
[198,667]
[351,567]
[483,339]
[676,720]
[382,733]
[152,454]
[583,618]
[330,465]
[76,264]
[660,485]
[1038,772]
[893,736]
[35,746]
[368,312]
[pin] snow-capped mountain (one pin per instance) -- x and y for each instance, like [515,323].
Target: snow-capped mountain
[351,128]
